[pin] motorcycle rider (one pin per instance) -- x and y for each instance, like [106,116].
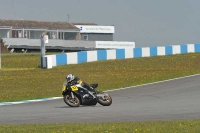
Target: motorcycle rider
[73,80]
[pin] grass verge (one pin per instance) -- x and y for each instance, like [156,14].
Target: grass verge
[192,126]
[22,79]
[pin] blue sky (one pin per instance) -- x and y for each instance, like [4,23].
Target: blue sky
[146,22]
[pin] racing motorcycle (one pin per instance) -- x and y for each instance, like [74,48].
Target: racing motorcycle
[76,95]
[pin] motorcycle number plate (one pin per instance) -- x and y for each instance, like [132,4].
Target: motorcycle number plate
[64,88]
[74,88]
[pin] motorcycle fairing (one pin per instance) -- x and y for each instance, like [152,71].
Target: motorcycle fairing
[85,101]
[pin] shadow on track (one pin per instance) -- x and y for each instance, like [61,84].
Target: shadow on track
[82,106]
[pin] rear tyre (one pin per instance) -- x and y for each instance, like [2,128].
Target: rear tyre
[70,101]
[106,101]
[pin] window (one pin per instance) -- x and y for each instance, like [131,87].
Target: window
[20,34]
[52,35]
[70,35]
[15,34]
[60,35]
[85,37]
[26,34]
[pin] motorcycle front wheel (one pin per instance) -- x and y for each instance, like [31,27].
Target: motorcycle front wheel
[70,101]
[106,100]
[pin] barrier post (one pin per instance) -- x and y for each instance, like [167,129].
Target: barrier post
[44,39]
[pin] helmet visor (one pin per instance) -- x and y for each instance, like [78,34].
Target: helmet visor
[68,79]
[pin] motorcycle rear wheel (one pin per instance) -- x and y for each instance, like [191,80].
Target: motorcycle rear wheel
[107,101]
[70,101]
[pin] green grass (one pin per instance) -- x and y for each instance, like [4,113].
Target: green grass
[121,127]
[22,79]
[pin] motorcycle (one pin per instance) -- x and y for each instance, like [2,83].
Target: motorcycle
[76,95]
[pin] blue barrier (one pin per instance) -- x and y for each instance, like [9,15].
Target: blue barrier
[137,52]
[153,51]
[168,50]
[101,55]
[61,59]
[82,57]
[197,48]
[120,53]
[183,49]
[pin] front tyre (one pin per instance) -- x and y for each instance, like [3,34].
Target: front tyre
[70,101]
[106,100]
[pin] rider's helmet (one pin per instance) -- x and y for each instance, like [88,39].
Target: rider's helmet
[70,77]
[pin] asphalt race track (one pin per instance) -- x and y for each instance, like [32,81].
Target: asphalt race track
[172,100]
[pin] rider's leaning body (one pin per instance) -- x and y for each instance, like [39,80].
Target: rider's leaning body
[73,80]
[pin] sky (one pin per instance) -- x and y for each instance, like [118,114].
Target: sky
[145,22]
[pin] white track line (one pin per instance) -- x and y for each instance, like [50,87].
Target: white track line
[153,83]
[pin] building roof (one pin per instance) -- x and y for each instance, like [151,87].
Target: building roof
[38,24]
[74,23]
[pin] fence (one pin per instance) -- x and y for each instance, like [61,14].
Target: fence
[90,56]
